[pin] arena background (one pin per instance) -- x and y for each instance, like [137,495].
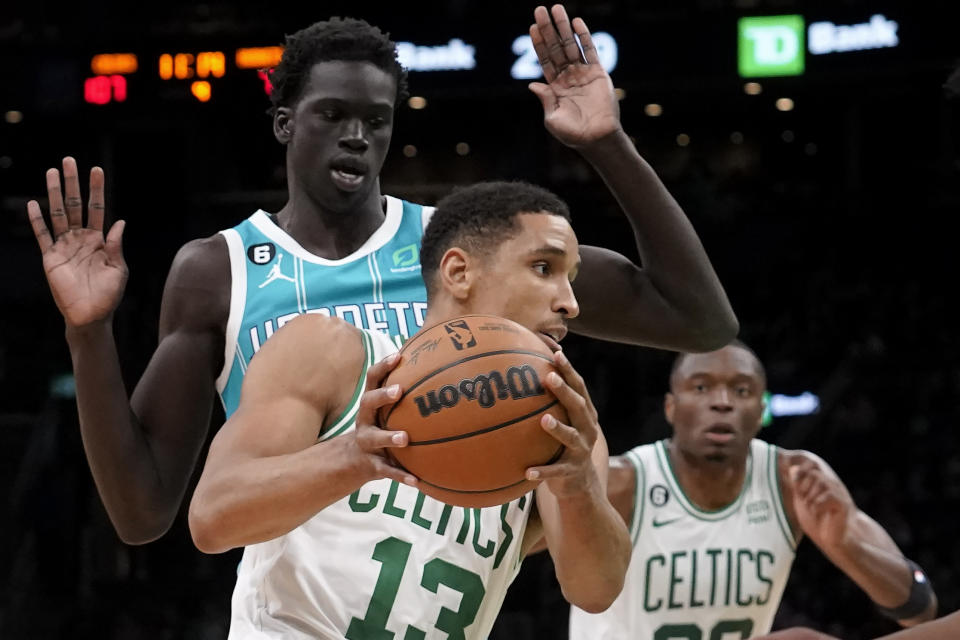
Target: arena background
[829,225]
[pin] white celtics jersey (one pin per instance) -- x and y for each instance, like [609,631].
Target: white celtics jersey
[384,562]
[694,574]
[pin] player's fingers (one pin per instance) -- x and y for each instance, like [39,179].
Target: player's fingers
[570,49]
[578,409]
[395,472]
[586,41]
[95,207]
[58,216]
[373,399]
[379,370]
[114,243]
[556,470]
[543,56]
[574,379]
[72,202]
[39,226]
[568,436]
[551,40]
[546,95]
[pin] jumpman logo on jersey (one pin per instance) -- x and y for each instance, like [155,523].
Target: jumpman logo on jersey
[276,274]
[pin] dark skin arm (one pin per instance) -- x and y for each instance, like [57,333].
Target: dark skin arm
[820,507]
[141,450]
[675,301]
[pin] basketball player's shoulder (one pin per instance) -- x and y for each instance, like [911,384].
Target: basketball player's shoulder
[198,284]
[317,335]
[787,458]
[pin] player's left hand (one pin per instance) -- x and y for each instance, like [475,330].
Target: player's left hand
[825,510]
[574,472]
[579,105]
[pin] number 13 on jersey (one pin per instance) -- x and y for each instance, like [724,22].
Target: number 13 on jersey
[392,554]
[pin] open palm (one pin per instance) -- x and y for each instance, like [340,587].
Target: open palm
[86,272]
[579,104]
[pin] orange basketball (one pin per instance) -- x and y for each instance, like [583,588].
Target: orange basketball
[473,395]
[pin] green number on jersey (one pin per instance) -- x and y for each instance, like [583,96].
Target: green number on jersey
[393,553]
[692,632]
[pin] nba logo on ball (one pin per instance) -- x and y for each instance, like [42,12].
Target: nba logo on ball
[472,400]
[460,334]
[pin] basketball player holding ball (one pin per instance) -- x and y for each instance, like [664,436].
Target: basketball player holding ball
[339,543]
[331,249]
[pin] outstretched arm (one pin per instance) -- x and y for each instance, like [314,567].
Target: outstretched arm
[142,453]
[675,299]
[585,535]
[819,505]
[266,473]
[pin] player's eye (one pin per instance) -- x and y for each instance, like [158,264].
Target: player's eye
[743,392]
[700,387]
[376,122]
[330,114]
[542,268]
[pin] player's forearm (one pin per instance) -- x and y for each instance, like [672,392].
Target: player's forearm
[119,455]
[590,547]
[243,502]
[882,574]
[670,251]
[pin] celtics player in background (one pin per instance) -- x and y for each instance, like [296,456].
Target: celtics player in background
[339,247]
[338,541]
[715,516]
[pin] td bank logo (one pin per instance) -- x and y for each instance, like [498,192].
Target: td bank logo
[771,46]
[406,259]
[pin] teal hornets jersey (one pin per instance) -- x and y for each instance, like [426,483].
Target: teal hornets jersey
[274,279]
[695,574]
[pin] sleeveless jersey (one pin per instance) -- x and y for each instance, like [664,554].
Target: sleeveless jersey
[274,279]
[384,562]
[694,574]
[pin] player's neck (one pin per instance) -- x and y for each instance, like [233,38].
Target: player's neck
[328,232]
[708,484]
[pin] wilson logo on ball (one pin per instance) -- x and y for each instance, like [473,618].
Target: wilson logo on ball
[518,383]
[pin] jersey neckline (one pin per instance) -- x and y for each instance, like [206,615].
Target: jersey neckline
[391,222]
[666,466]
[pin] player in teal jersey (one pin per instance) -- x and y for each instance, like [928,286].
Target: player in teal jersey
[716,514]
[338,541]
[335,95]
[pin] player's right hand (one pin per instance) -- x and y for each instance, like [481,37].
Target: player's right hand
[86,273]
[373,442]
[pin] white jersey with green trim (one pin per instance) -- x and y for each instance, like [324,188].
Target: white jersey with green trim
[384,562]
[695,574]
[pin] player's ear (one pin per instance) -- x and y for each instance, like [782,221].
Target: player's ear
[669,404]
[283,124]
[456,275]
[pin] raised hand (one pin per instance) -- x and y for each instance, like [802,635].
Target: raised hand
[574,470]
[373,442]
[579,105]
[824,508]
[86,273]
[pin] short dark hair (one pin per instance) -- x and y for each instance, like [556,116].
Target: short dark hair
[330,40]
[682,355]
[480,217]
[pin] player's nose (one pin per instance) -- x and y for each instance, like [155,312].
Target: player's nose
[353,135]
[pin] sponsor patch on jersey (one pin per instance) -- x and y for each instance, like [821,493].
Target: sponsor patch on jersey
[659,495]
[262,253]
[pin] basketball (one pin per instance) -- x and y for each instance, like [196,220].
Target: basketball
[472,397]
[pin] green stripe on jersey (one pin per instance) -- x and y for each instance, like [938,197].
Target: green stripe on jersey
[349,414]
